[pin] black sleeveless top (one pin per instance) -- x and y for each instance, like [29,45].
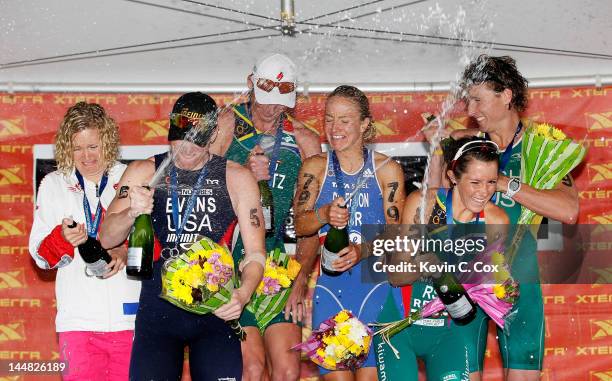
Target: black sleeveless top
[212,214]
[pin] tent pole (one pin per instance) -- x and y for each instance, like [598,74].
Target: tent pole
[596,81]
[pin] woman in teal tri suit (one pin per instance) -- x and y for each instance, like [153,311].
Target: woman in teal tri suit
[449,351]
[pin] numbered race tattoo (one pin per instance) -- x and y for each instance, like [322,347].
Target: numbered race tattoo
[123,191]
[254,218]
[393,213]
[305,193]
[394,185]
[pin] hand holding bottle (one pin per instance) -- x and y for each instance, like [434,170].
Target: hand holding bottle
[337,238]
[141,201]
[349,257]
[75,235]
[431,127]
[119,259]
[337,213]
[258,163]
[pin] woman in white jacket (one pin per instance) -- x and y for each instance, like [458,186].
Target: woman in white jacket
[95,315]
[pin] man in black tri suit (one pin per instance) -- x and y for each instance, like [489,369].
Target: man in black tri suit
[210,194]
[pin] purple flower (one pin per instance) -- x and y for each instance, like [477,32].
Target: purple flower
[271,286]
[213,279]
[214,258]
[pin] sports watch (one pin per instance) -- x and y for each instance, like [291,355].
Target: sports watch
[514,186]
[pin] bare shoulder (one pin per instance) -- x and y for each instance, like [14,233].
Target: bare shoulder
[496,215]
[315,164]
[238,175]
[412,205]
[308,140]
[387,167]
[415,197]
[236,169]
[139,172]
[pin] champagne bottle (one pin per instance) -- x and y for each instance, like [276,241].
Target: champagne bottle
[267,206]
[456,300]
[95,256]
[140,248]
[335,240]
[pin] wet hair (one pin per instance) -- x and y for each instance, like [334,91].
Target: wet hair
[80,117]
[499,73]
[361,100]
[485,152]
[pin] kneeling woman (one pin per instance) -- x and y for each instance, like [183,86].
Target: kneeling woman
[447,349]
[324,183]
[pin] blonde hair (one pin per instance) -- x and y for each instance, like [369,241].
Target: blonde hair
[80,117]
[357,96]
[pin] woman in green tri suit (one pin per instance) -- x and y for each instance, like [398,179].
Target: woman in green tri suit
[449,351]
[244,131]
[496,95]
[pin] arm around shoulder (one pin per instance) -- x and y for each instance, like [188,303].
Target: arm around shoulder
[308,141]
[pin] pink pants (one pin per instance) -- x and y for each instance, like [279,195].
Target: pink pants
[96,356]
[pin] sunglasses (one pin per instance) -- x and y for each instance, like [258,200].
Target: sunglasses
[182,121]
[283,87]
[481,145]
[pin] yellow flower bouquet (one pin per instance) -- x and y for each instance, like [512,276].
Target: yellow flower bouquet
[201,279]
[270,297]
[548,155]
[342,342]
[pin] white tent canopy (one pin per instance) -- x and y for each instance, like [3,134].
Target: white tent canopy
[211,45]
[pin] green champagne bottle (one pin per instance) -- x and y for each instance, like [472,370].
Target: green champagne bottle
[267,206]
[335,240]
[140,248]
[459,305]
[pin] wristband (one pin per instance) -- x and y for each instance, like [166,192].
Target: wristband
[259,258]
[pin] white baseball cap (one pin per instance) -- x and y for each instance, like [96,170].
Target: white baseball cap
[277,68]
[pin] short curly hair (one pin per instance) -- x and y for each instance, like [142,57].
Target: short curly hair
[499,73]
[361,100]
[79,117]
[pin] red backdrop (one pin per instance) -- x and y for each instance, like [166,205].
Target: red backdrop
[578,317]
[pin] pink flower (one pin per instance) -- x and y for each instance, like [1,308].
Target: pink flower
[212,278]
[271,286]
[214,258]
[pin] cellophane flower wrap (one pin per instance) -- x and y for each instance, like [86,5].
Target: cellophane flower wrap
[548,156]
[201,279]
[341,342]
[270,297]
[495,296]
